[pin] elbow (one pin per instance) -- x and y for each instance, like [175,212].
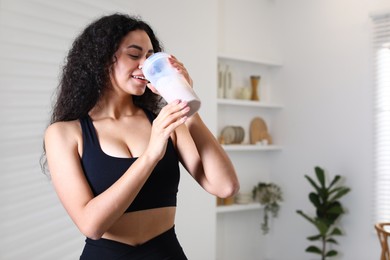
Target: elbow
[229,190]
[94,236]
[91,232]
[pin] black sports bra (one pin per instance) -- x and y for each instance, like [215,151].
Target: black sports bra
[102,170]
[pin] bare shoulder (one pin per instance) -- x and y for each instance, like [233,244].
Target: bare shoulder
[64,133]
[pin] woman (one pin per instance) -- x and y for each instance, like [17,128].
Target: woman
[112,161]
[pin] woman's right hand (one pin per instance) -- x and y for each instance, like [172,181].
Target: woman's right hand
[170,117]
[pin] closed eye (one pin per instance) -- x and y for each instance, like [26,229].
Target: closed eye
[133,56]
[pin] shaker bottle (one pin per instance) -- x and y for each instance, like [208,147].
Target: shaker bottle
[169,83]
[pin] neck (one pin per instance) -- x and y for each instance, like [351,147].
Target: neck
[114,106]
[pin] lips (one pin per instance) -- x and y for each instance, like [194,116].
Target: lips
[140,77]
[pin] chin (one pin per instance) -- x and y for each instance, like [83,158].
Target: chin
[138,92]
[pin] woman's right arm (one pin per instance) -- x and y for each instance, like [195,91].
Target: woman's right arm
[95,215]
[92,215]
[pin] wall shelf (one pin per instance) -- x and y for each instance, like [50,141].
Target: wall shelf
[238,208]
[250,147]
[240,58]
[247,103]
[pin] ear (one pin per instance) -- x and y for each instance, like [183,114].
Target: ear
[111,66]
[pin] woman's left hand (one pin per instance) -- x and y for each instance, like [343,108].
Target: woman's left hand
[180,68]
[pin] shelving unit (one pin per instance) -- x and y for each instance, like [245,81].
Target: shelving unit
[252,161]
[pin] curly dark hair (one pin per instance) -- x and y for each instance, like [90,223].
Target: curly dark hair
[85,75]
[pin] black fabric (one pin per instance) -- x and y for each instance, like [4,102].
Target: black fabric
[102,170]
[163,247]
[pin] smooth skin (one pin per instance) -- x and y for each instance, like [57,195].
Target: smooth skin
[125,131]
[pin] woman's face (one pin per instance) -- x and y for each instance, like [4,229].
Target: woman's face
[126,74]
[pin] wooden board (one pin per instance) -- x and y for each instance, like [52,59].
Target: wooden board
[258,131]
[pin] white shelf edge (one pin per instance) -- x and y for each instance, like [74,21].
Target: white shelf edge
[248,103]
[249,59]
[250,147]
[238,207]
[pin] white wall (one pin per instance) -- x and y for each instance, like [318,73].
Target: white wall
[248,29]
[327,120]
[35,37]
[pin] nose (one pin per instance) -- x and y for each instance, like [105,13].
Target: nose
[141,63]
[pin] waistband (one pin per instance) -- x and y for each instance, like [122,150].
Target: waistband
[163,246]
[112,244]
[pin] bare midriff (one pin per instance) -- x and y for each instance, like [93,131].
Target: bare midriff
[136,228]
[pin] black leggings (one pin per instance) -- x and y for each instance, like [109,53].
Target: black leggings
[163,247]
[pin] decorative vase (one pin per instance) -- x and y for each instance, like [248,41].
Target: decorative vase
[255,83]
[228,92]
[221,82]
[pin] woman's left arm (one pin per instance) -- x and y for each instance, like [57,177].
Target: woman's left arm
[204,158]
[201,154]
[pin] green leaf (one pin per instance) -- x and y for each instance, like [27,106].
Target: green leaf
[332,240]
[320,176]
[322,226]
[340,193]
[314,238]
[314,249]
[334,181]
[313,183]
[336,232]
[328,222]
[331,253]
[335,189]
[314,199]
[300,212]
[335,209]
[331,212]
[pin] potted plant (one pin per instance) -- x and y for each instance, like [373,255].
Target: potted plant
[329,209]
[269,195]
